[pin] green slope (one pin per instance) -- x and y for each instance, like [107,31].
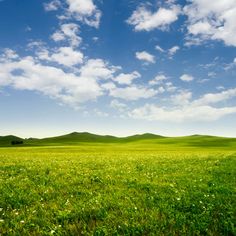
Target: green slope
[201,141]
[75,137]
[147,138]
[6,140]
[141,137]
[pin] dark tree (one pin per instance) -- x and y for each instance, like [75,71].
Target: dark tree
[16,142]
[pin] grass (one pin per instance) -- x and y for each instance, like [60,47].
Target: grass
[149,187]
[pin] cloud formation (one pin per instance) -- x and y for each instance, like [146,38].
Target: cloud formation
[206,20]
[67,56]
[158,79]
[65,73]
[147,20]
[52,6]
[69,88]
[211,20]
[68,32]
[186,77]
[132,93]
[185,110]
[153,112]
[127,78]
[85,11]
[145,56]
[173,50]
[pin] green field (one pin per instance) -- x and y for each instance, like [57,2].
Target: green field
[141,185]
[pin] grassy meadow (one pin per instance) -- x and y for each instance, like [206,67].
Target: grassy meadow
[159,186]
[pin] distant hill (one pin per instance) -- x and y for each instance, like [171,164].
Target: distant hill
[139,137]
[7,140]
[77,138]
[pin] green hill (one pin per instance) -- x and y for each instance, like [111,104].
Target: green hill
[76,138]
[139,137]
[7,140]
[201,141]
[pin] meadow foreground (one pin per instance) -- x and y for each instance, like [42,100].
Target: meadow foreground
[117,189]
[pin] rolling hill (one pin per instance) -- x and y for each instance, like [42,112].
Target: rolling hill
[77,138]
[6,140]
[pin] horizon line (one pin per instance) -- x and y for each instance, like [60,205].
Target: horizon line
[117,136]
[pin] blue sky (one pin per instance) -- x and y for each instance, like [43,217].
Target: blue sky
[118,67]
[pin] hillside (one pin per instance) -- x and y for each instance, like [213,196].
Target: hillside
[76,138]
[6,140]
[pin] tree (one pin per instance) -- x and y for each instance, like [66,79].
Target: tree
[16,142]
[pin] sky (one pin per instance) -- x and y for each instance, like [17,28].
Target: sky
[118,67]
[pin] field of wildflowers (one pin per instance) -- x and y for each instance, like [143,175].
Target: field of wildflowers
[117,190]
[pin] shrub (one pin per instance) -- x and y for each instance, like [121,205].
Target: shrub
[16,142]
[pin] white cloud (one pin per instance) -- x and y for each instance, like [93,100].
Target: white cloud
[230,65]
[183,98]
[211,20]
[211,74]
[170,87]
[158,79]
[95,39]
[132,93]
[99,113]
[212,98]
[43,54]
[35,44]
[153,112]
[144,19]
[185,110]
[9,54]
[68,88]
[85,11]
[200,28]
[99,69]
[186,77]
[58,36]
[220,87]
[161,90]
[108,86]
[52,6]
[118,105]
[68,32]
[160,49]
[173,50]
[127,78]
[145,56]
[67,56]
[84,7]
[26,74]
